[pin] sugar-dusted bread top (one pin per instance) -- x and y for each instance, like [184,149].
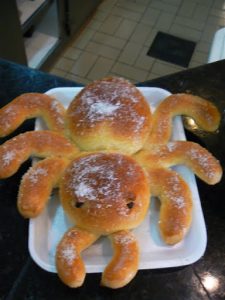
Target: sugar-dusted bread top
[105,192]
[109,114]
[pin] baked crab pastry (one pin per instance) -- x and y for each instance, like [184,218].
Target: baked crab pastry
[108,154]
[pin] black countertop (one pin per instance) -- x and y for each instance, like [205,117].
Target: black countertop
[21,278]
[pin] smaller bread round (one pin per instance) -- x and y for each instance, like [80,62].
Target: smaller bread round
[105,192]
[109,114]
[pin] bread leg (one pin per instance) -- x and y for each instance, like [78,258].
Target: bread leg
[34,143]
[190,154]
[37,184]
[31,105]
[176,204]
[205,114]
[124,264]
[69,263]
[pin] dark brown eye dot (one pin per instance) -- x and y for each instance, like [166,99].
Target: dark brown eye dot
[79,204]
[130,204]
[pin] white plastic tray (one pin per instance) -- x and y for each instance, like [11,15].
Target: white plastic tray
[46,230]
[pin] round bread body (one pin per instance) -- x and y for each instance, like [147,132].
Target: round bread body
[109,114]
[105,192]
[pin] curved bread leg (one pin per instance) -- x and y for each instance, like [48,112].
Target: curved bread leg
[38,143]
[69,263]
[195,157]
[205,114]
[37,184]
[28,106]
[176,204]
[124,264]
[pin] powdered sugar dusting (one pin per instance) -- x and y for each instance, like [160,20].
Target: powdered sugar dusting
[124,239]
[111,102]
[85,184]
[10,110]
[68,253]
[161,128]
[96,178]
[174,194]
[8,157]
[56,109]
[103,108]
[7,117]
[171,146]
[203,160]
[35,174]
[55,106]
[126,253]
[84,190]
[106,90]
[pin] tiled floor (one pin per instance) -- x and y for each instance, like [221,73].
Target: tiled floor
[117,38]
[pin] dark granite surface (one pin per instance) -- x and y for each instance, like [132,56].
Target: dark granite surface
[21,278]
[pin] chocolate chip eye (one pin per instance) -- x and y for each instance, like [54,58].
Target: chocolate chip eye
[130,199]
[130,204]
[79,204]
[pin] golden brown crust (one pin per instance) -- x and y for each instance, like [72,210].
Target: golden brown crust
[205,114]
[109,114]
[69,264]
[105,192]
[197,158]
[37,184]
[176,204]
[124,264]
[31,105]
[38,143]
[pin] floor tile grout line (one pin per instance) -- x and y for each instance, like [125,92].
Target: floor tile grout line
[179,7]
[192,27]
[101,55]
[121,50]
[148,6]
[111,36]
[208,13]
[156,33]
[97,31]
[129,39]
[176,15]
[131,10]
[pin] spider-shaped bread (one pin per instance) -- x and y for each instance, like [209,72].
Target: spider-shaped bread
[103,189]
